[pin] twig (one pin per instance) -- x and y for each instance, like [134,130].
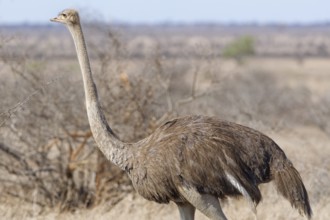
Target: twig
[13,110]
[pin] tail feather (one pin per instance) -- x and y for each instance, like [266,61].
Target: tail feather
[289,183]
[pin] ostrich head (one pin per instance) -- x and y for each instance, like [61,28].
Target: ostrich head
[68,17]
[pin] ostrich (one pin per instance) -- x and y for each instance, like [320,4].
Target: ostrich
[192,161]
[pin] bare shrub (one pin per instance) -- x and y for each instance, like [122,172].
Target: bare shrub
[47,147]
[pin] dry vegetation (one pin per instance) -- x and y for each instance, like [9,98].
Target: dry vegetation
[49,165]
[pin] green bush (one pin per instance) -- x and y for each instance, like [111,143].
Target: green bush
[242,47]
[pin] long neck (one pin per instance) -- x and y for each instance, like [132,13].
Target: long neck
[113,149]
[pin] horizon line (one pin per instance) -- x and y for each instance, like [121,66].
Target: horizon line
[182,23]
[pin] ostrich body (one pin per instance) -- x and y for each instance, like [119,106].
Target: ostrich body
[193,160]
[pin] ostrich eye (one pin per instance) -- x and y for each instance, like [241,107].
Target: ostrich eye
[64,15]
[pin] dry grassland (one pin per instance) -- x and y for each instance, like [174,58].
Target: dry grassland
[52,170]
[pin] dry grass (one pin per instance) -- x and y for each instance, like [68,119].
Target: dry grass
[52,170]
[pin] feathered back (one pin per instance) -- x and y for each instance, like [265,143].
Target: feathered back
[208,154]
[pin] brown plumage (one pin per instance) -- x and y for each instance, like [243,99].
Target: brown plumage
[193,160]
[198,151]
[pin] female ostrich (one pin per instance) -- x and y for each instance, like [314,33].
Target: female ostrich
[193,160]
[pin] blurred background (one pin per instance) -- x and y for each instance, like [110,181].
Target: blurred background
[264,64]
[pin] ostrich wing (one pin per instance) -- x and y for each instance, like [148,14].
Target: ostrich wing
[212,156]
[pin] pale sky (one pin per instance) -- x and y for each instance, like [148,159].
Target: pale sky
[157,11]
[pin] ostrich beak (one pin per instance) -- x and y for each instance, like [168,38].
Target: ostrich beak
[54,19]
[58,18]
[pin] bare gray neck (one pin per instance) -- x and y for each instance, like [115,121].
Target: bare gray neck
[114,150]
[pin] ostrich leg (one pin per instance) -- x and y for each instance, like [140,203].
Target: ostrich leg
[207,204]
[186,210]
